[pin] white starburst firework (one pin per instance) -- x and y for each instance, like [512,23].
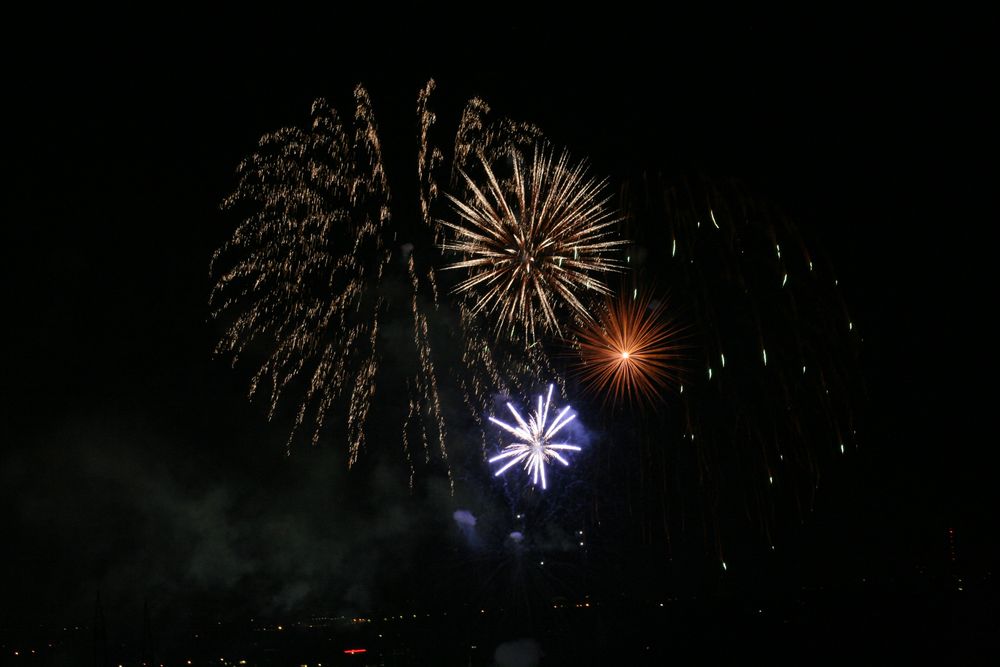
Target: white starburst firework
[534,444]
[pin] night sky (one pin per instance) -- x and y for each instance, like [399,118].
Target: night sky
[132,462]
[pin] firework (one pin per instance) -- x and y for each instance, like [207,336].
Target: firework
[771,362]
[300,286]
[630,351]
[535,244]
[534,446]
[302,263]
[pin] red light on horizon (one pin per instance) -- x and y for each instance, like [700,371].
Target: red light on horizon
[355,651]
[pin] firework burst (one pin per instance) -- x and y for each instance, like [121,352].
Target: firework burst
[534,446]
[300,287]
[630,352]
[535,243]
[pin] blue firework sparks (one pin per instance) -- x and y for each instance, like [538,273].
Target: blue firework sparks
[534,446]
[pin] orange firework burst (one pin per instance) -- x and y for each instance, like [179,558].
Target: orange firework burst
[631,351]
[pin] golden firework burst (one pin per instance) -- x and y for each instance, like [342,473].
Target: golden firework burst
[535,244]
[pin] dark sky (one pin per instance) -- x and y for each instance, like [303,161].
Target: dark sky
[125,440]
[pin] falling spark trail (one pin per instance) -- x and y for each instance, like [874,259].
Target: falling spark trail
[304,262]
[753,289]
